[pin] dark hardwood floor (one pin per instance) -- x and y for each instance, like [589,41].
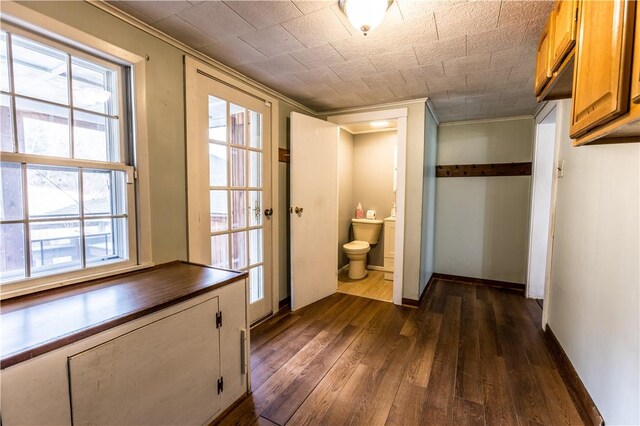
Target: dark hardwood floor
[468,355]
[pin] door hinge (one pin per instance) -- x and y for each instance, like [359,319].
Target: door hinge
[575,15]
[220,385]
[218,319]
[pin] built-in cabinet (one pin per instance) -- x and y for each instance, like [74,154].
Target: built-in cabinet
[180,365]
[564,21]
[543,57]
[592,42]
[389,247]
[635,72]
[603,64]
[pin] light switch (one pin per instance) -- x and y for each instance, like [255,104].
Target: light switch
[560,169]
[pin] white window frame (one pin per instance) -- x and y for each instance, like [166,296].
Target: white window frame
[56,33]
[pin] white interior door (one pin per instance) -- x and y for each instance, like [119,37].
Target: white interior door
[229,184]
[314,209]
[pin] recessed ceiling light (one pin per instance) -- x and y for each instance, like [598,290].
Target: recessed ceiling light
[383,123]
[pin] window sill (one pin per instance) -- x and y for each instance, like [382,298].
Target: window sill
[20,288]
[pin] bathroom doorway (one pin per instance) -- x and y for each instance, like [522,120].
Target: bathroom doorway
[367,169]
[371,164]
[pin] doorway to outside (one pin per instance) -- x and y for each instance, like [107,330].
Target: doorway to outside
[229,183]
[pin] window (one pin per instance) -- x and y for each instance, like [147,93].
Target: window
[66,184]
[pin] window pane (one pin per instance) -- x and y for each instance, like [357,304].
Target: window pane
[217,165]
[52,191]
[11,195]
[40,71]
[103,192]
[237,124]
[12,257]
[4,65]
[95,137]
[219,211]
[220,251]
[94,87]
[255,169]
[256,284]
[55,246]
[42,129]
[6,124]
[238,167]
[255,133]
[238,209]
[104,240]
[255,201]
[217,119]
[255,246]
[238,250]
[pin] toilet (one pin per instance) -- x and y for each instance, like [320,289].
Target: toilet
[365,233]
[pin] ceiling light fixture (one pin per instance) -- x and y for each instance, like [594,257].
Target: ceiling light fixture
[379,123]
[365,15]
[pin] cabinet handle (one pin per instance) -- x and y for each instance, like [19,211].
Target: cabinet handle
[243,351]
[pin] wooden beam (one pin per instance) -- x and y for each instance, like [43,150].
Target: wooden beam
[475,170]
[283,155]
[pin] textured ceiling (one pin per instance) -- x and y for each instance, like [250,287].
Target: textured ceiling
[474,59]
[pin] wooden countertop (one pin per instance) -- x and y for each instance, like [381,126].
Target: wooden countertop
[38,323]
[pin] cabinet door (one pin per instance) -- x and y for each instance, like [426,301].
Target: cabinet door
[602,63]
[543,57]
[635,78]
[564,33]
[163,373]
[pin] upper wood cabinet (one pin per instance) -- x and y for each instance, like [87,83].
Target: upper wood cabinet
[543,57]
[635,76]
[602,63]
[564,31]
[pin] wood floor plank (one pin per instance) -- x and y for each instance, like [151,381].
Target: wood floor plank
[498,399]
[283,407]
[468,374]
[408,405]
[528,399]
[561,407]
[467,355]
[421,360]
[373,286]
[466,412]
[320,401]
[441,386]
[283,354]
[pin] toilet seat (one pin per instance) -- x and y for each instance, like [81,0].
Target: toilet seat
[356,246]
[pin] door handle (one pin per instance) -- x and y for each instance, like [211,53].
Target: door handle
[298,210]
[268,212]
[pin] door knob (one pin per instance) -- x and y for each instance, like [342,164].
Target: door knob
[298,210]
[268,212]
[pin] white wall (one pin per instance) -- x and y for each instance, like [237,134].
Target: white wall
[428,199]
[346,208]
[373,180]
[482,222]
[593,302]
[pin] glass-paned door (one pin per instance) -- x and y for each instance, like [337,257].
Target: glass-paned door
[236,158]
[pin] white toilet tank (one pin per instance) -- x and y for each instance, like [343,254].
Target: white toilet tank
[366,230]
